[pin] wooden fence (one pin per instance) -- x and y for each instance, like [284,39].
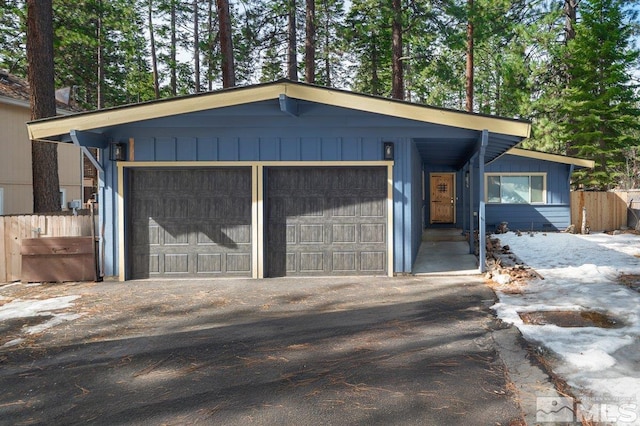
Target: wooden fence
[605,211]
[14,228]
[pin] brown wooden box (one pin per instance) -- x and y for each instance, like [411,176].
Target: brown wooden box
[58,259]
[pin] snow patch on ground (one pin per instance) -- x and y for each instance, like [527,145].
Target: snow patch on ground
[581,273]
[19,308]
[30,308]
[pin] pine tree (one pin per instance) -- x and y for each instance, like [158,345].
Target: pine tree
[600,103]
[13,18]
[44,155]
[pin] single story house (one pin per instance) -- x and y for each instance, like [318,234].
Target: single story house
[287,178]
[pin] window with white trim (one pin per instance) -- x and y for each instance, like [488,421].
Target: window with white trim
[516,188]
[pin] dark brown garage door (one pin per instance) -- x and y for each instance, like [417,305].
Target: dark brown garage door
[326,221]
[189,222]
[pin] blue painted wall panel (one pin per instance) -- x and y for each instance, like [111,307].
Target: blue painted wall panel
[416,202]
[289,149]
[228,149]
[310,149]
[351,149]
[372,148]
[249,149]
[527,217]
[207,149]
[145,149]
[187,149]
[165,149]
[269,149]
[331,150]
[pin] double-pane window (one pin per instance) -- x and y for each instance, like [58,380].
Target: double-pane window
[516,188]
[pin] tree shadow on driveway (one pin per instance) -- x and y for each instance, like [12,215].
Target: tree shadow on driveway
[426,357]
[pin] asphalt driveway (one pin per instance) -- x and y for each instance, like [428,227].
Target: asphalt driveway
[360,351]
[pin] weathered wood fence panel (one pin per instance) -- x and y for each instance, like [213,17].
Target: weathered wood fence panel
[605,211]
[14,228]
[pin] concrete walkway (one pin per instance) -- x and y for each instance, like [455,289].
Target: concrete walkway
[445,252]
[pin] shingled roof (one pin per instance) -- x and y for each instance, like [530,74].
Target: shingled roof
[13,87]
[17,88]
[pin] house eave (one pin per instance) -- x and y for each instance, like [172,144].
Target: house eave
[53,127]
[25,104]
[578,162]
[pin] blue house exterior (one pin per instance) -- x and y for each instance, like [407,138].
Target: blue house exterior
[552,212]
[287,178]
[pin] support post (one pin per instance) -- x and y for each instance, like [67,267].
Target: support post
[471,205]
[482,237]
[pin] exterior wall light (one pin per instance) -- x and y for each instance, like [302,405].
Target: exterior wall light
[387,152]
[117,152]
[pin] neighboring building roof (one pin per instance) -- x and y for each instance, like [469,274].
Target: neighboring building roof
[15,90]
[52,127]
[579,162]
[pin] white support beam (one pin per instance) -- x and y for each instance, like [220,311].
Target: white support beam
[87,139]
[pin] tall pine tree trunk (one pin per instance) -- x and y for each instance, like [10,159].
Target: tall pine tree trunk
[570,14]
[172,51]
[292,60]
[375,78]
[310,43]
[327,51]
[196,46]
[210,45]
[100,57]
[226,44]
[469,71]
[397,84]
[154,57]
[44,156]
[570,9]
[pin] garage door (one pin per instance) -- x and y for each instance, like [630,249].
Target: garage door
[326,221]
[189,222]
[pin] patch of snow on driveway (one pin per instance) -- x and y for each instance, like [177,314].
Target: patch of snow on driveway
[581,273]
[19,308]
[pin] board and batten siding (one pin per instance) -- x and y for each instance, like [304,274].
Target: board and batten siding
[257,149]
[554,215]
[406,185]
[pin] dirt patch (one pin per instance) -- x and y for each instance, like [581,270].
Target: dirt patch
[570,319]
[14,328]
[631,280]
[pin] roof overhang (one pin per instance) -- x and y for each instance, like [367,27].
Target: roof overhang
[578,162]
[15,102]
[55,128]
[25,104]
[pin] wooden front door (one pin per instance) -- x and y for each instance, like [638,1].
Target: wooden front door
[443,196]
